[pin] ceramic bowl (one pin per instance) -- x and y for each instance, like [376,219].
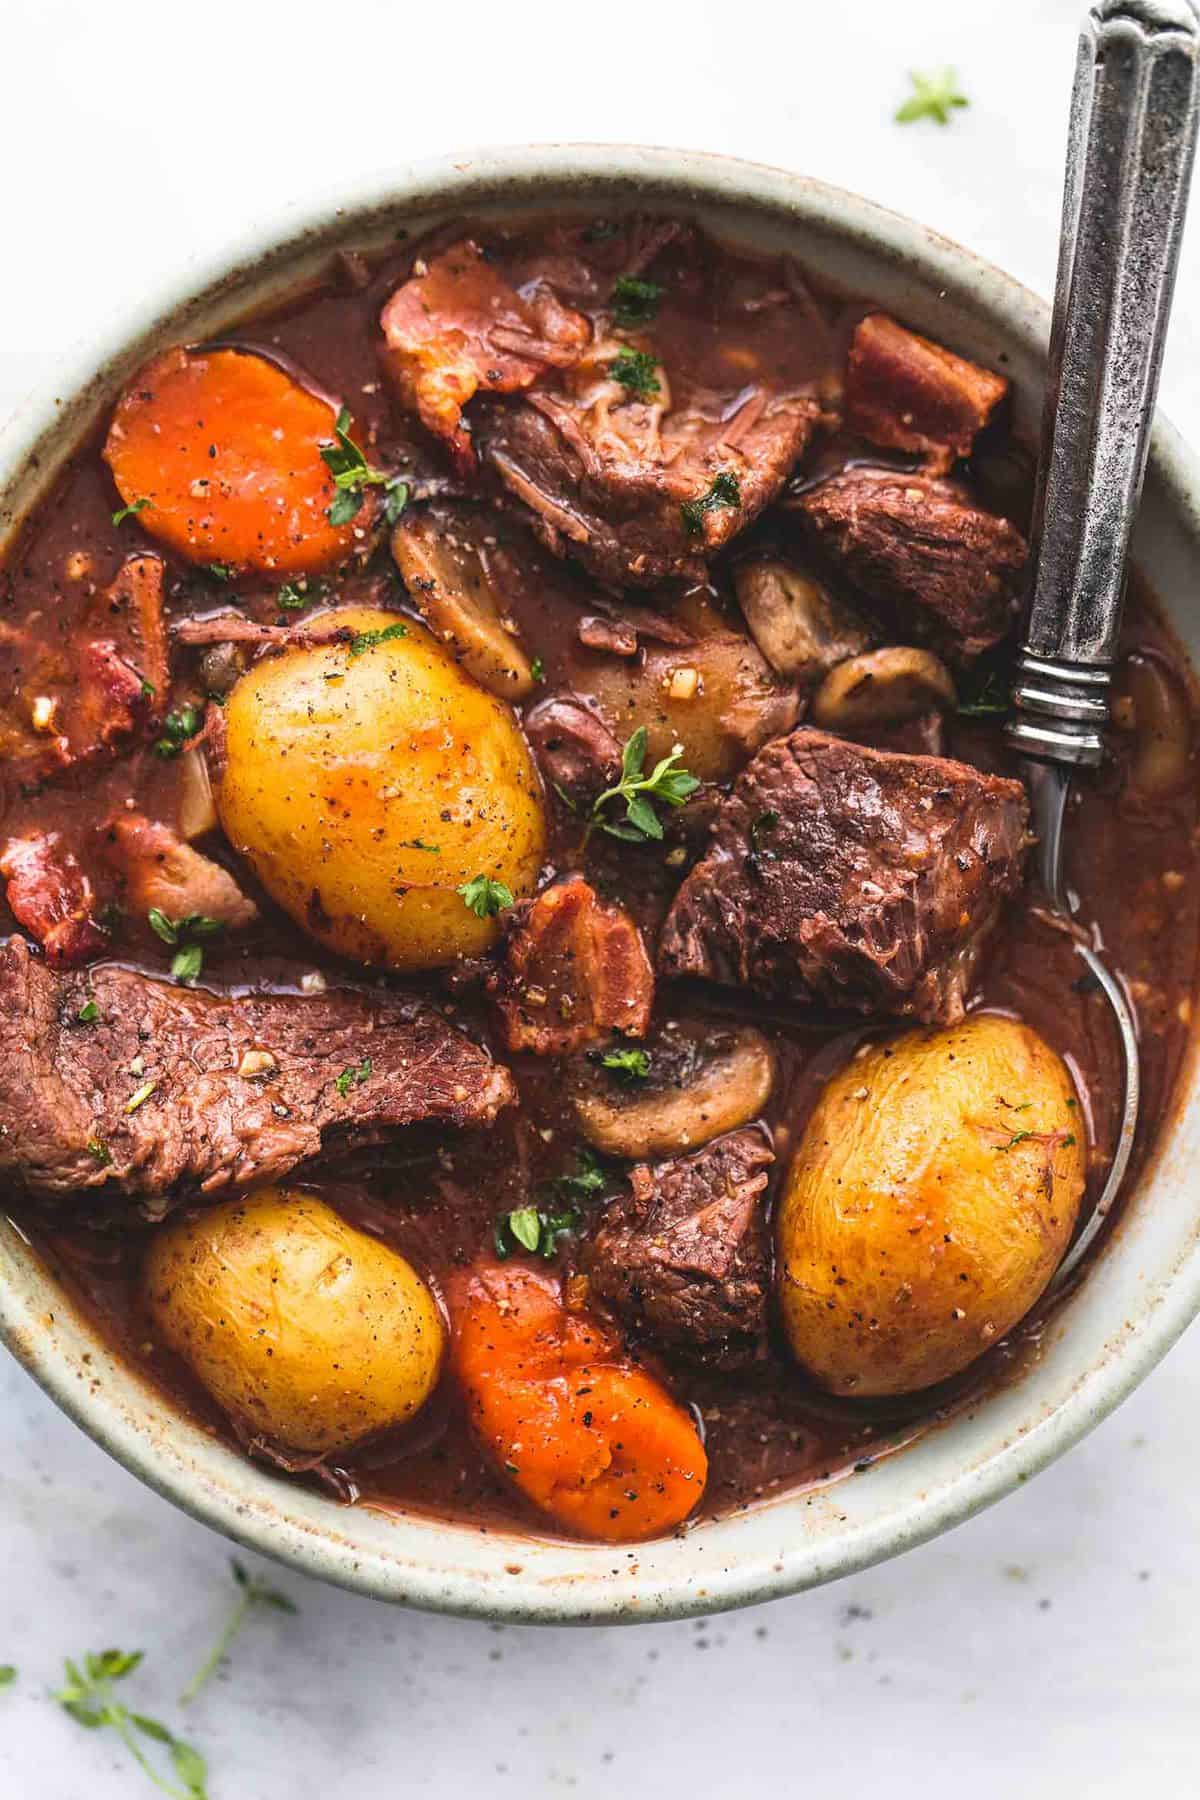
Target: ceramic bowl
[1141,1292]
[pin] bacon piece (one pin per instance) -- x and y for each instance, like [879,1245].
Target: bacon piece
[51,896]
[460,327]
[113,702]
[161,871]
[80,696]
[576,970]
[905,393]
[131,611]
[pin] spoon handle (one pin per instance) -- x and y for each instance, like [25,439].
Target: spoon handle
[1129,161]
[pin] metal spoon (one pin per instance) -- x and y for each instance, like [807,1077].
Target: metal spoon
[1129,163]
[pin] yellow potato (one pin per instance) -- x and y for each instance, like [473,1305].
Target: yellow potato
[306,1331]
[365,788]
[928,1204]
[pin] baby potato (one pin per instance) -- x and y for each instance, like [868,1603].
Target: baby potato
[367,780]
[929,1202]
[306,1331]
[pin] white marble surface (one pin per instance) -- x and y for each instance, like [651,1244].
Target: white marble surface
[1052,1642]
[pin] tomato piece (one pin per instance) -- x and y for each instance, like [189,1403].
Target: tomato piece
[588,1436]
[220,453]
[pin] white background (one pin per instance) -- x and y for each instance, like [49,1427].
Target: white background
[1053,1643]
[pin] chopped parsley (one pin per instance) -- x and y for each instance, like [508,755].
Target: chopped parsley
[395,499]
[635,370]
[419,844]
[218,571]
[88,1013]
[725,491]
[88,1697]
[99,1152]
[529,1228]
[624,1065]
[537,669]
[8,1674]
[187,963]
[353,1076]
[178,727]
[130,511]
[292,596]
[484,897]
[764,823]
[934,96]
[587,1179]
[367,640]
[635,302]
[353,475]
[148,689]
[666,783]
[182,934]
[1018,1137]
[987,694]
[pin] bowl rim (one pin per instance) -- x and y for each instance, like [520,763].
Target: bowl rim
[244,1501]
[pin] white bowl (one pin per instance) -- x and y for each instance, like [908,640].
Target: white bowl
[1136,1299]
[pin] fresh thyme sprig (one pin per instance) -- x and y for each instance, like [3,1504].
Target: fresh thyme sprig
[668,783]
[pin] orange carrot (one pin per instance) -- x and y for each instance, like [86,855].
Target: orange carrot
[588,1436]
[219,453]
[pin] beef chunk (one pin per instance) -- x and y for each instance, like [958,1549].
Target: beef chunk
[924,735]
[854,877]
[612,636]
[50,895]
[617,631]
[172,1093]
[458,326]
[683,1258]
[575,970]
[905,393]
[576,751]
[159,871]
[642,395]
[637,492]
[946,569]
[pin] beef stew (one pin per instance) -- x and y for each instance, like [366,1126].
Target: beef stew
[499,754]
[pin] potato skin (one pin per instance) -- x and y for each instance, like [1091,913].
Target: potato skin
[306,1331]
[338,767]
[917,1224]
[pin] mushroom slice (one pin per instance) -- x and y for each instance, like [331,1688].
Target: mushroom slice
[197,809]
[884,687]
[1150,704]
[457,585]
[701,1082]
[795,621]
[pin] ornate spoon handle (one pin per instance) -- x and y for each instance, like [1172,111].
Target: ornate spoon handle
[1129,160]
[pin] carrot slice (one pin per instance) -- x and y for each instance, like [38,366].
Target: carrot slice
[595,1441]
[219,452]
